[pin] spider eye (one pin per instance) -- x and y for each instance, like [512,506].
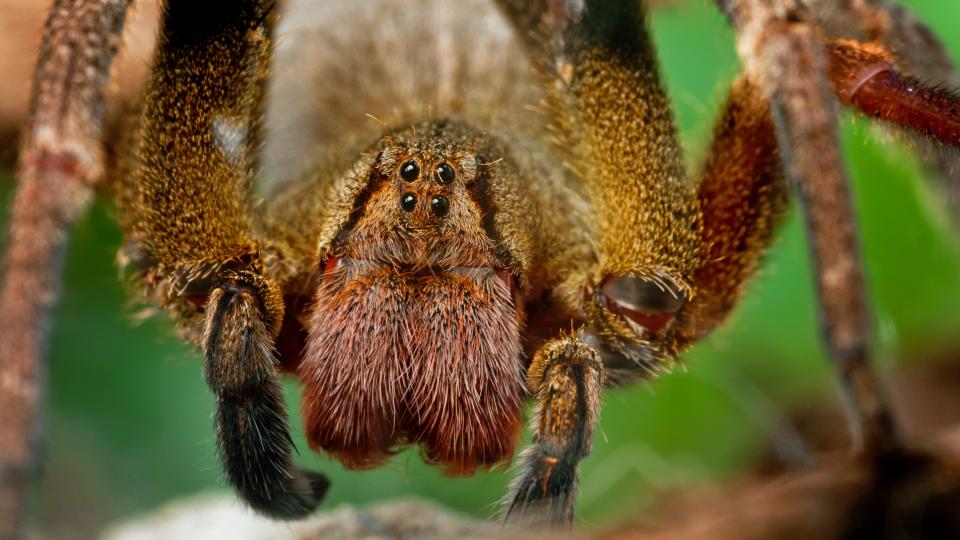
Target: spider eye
[445,173]
[440,205]
[410,171]
[650,304]
[408,202]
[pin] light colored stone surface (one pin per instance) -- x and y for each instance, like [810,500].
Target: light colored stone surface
[221,517]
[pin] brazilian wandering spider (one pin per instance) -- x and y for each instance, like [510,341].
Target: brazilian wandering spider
[421,282]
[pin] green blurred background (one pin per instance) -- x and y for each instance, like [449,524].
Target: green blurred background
[129,422]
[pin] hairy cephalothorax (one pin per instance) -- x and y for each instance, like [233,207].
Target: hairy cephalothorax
[496,211]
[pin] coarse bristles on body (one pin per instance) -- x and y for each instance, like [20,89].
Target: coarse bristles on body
[430,359]
[416,329]
[444,208]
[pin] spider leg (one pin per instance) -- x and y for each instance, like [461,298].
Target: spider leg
[61,160]
[916,50]
[252,435]
[628,158]
[188,209]
[865,77]
[742,195]
[782,50]
[915,46]
[565,377]
[612,120]
[614,131]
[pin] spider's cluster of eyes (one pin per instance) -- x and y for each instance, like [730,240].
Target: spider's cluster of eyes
[444,173]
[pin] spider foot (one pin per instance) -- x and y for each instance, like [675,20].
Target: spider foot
[544,494]
[566,377]
[253,437]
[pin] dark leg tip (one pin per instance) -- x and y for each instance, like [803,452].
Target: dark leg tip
[297,500]
[544,495]
[319,484]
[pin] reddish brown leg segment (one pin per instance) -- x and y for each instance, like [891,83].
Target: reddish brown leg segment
[742,196]
[865,77]
[917,51]
[782,50]
[60,161]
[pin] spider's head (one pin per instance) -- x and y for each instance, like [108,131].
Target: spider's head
[420,207]
[415,332]
[423,178]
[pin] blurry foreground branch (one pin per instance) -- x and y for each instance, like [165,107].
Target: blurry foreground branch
[839,496]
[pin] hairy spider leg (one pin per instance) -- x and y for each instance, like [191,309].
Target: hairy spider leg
[615,132]
[743,195]
[61,161]
[918,52]
[188,208]
[702,239]
[866,78]
[775,37]
[566,378]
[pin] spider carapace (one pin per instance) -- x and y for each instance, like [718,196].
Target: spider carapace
[422,281]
